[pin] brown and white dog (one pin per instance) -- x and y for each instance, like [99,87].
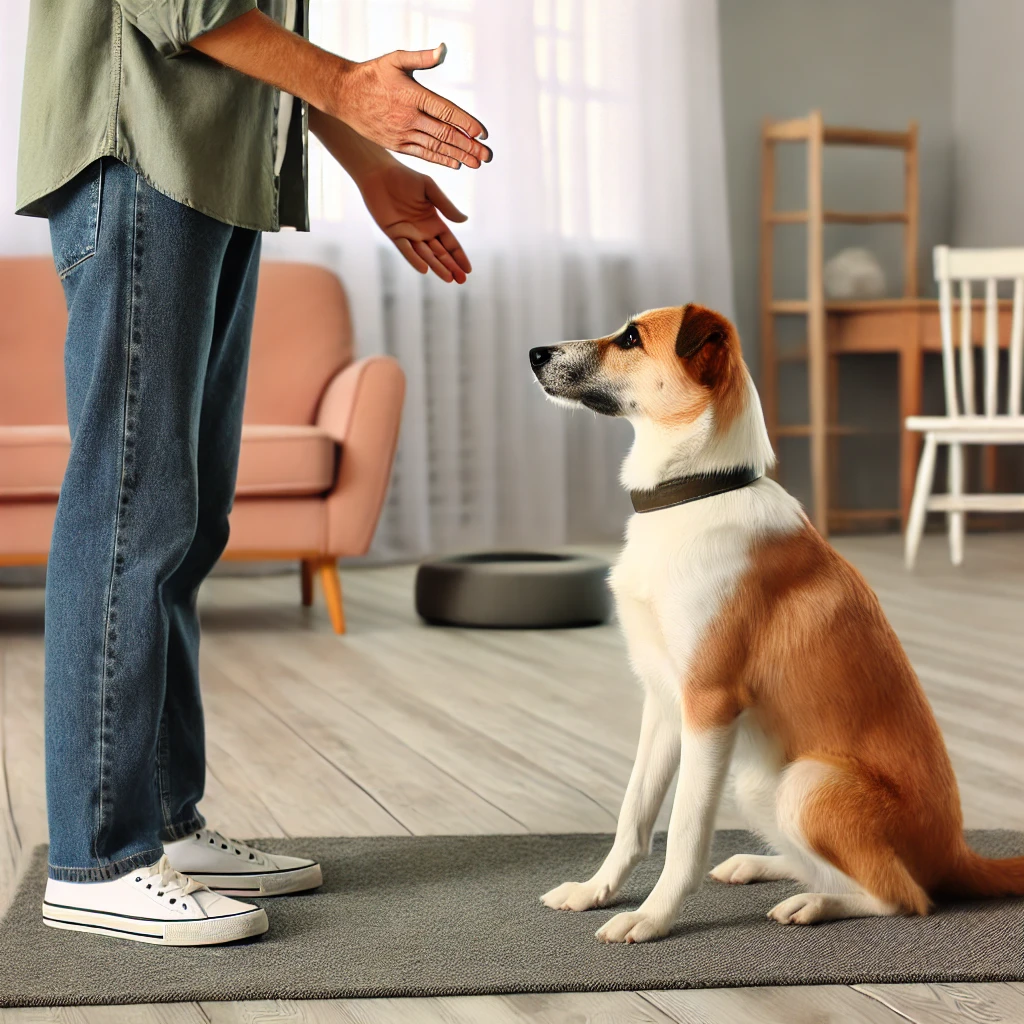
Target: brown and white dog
[758,645]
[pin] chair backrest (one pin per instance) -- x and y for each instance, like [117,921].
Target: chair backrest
[302,336]
[33,321]
[991,266]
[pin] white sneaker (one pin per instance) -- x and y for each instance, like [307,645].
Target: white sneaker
[239,870]
[155,904]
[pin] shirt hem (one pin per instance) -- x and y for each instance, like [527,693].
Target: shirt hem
[25,206]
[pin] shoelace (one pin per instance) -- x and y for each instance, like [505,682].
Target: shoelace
[239,849]
[171,882]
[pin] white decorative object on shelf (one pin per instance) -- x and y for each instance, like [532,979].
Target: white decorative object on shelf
[854,274]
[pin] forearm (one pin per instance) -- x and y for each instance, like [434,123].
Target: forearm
[258,46]
[377,98]
[357,155]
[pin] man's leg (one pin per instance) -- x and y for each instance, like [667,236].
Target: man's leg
[142,317]
[182,755]
[207,856]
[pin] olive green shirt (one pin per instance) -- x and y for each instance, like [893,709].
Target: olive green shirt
[117,78]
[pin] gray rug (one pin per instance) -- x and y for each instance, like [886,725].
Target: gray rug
[460,915]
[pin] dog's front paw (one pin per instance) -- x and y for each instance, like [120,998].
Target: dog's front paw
[633,926]
[576,896]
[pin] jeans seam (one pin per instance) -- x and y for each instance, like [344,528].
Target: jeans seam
[97,203]
[162,775]
[117,561]
[172,833]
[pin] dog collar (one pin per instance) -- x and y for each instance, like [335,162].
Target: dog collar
[691,488]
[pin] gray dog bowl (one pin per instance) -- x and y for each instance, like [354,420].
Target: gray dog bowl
[514,590]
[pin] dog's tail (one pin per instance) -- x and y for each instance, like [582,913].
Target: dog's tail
[976,877]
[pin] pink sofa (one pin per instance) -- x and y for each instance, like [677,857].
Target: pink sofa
[317,446]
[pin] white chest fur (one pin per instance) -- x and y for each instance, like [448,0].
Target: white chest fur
[679,568]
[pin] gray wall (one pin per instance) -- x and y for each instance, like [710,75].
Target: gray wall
[988,154]
[988,122]
[870,63]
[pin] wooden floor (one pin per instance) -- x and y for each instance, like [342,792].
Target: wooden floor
[400,729]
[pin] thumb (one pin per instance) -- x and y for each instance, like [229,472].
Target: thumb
[420,60]
[447,208]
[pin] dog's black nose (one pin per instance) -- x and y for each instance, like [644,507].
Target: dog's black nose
[540,356]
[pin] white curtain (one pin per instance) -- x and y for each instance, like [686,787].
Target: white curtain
[606,196]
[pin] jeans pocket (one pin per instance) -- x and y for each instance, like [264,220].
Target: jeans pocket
[74,214]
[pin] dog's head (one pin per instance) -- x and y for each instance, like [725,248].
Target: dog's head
[666,366]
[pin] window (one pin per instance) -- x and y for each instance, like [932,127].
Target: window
[578,102]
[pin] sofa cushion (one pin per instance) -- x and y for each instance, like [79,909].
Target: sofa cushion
[32,327]
[274,461]
[32,461]
[285,460]
[301,337]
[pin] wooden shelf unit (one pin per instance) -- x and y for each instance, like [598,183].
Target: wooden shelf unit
[822,365]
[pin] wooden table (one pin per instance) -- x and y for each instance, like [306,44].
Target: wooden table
[910,328]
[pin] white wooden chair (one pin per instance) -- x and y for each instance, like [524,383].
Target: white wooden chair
[963,424]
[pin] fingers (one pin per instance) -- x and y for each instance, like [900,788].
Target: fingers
[447,260]
[451,243]
[424,256]
[435,145]
[444,110]
[404,246]
[446,207]
[420,60]
[468,150]
[428,256]
[431,155]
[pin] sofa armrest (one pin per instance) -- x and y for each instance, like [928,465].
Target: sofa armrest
[361,410]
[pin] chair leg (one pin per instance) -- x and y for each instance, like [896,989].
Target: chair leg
[331,581]
[955,520]
[919,504]
[306,569]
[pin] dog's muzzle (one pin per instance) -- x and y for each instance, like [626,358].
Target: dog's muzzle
[574,377]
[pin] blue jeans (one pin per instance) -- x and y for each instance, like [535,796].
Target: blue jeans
[160,305]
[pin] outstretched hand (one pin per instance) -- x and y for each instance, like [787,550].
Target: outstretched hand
[382,101]
[408,207]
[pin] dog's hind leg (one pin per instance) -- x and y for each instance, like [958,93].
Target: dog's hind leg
[816,907]
[758,763]
[656,760]
[741,868]
[832,816]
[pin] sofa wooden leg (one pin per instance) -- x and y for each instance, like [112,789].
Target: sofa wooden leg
[306,568]
[331,581]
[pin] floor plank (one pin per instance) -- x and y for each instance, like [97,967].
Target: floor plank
[423,798]
[952,1004]
[10,841]
[797,1004]
[305,793]
[551,1008]
[166,1013]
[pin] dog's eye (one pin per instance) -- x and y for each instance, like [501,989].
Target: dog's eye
[629,338]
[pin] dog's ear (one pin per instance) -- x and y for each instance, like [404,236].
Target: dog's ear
[700,327]
[702,342]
